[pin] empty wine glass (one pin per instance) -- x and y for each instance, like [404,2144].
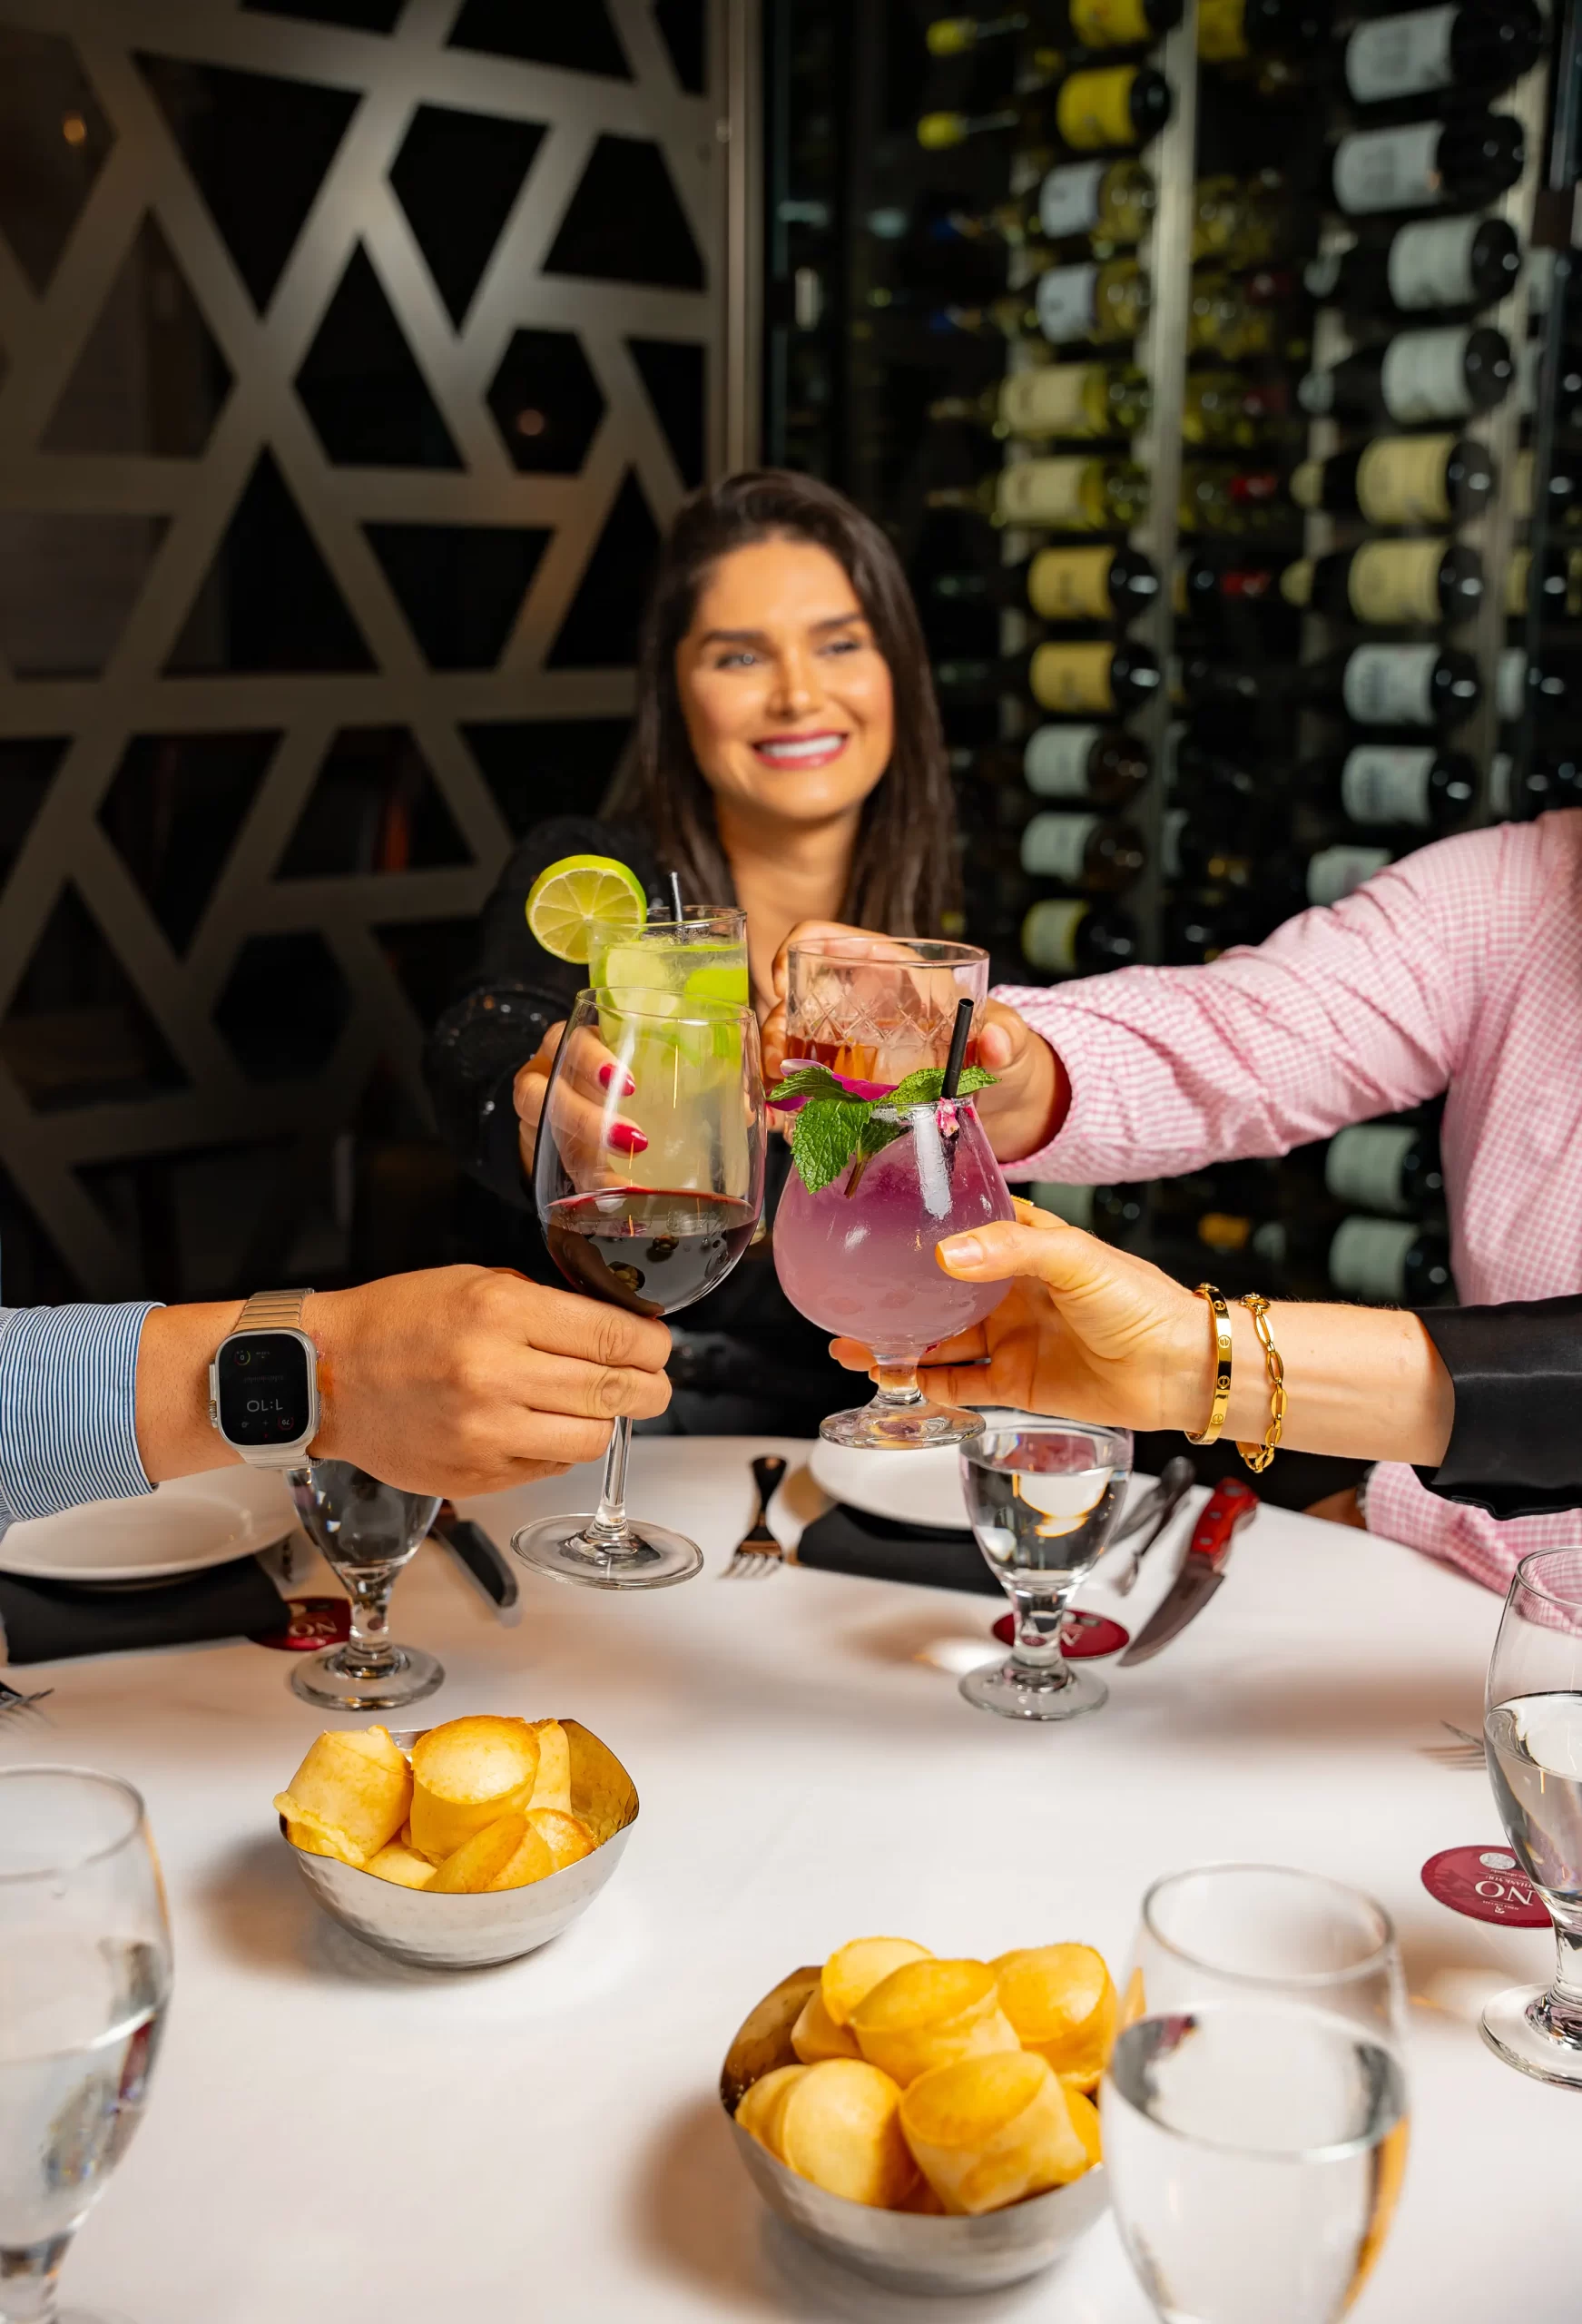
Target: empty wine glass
[367,1531]
[1532,1735]
[1043,1496]
[84,1978]
[1254,2108]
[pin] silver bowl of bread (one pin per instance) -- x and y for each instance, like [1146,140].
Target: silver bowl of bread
[455,1846]
[928,2121]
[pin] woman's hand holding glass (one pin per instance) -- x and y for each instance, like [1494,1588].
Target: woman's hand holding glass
[581,1105]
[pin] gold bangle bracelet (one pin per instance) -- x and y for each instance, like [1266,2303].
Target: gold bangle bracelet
[1221,1323]
[1258,1456]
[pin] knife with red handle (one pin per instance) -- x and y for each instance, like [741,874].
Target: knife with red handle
[1230,1506]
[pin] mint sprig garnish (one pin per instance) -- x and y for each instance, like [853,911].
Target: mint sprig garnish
[831,1127]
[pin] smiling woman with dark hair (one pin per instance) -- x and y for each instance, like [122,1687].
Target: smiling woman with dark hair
[786,756]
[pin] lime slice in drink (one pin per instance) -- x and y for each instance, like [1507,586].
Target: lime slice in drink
[719,981]
[572,898]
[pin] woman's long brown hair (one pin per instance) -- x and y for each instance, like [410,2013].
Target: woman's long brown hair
[905,877]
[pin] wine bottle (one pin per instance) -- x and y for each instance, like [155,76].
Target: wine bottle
[1206,589]
[1433,263]
[1064,937]
[1103,763]
[1559,583]
[1112,202]
[1240,32]
[1303,878]
[1554,687]
[1419,785]
[1551,779]
[1099,301]
[1093,853]
[1392,1262]
[1419,376]
[1479,47]
[1071,495]
[1568,387]
[1389,582]
[1426,165]
[1215,499]
[1081,400]
[1061,585]
[1401,480]
[1090,24]
[1198,927]
[1072,679]
[1225,411]
[1091,112]
[1565,493]
[1245,221]
[1389,1166]
[1396,685]
[1193,847]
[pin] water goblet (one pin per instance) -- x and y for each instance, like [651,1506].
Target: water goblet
[367,1531]
[1254,2106]
[874,1008]
[1532,1736]
[1043,1497]
[85,1975]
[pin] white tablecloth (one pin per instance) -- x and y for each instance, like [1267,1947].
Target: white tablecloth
[333,2139]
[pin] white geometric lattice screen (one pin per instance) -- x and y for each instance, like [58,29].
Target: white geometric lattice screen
[351,352]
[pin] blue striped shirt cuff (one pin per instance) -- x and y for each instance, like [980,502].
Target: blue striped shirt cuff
[68,1407]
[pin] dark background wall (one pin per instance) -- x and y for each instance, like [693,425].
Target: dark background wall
[352,353]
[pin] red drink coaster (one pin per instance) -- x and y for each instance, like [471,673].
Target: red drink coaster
[1081,1635]
[1486,1884]
[315,1622]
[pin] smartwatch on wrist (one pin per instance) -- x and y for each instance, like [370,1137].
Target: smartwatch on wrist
[264,1383]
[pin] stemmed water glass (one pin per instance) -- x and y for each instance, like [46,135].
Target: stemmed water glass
[1532,1736]
[84,1978]
[1255,2109]
[649,1183]
[367,1530]
[1043,1497]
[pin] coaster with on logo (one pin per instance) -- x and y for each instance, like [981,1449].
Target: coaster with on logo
[315,1622]
[1485,1884]
[1081,1635]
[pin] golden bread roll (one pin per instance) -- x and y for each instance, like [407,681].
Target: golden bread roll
[404,1866]
[1085,2123]
[988,2130]
[480,1860]
[858,1967]
[314,1838]
[929,2013]
[467,1775]
[815,2035]
[531,1861]
[922,2199]
[566,1836]
[840,2126]
[352,1791]
[552,1785]
[1062,2002]
[761,2106]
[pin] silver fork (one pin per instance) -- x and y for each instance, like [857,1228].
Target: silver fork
[11,1701]
[759,1553]
[1465,1751]
[1176,1481]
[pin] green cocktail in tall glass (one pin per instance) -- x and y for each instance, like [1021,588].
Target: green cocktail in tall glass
[701,957]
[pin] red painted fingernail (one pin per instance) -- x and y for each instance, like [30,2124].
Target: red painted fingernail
[626,1138]
[607,1075]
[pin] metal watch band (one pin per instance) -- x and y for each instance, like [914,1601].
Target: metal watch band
[273,1311]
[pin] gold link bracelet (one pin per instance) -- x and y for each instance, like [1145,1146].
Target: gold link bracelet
[1221,1323]
[1258,1456]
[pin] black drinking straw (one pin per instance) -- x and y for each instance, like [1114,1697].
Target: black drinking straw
[957,1057]
[675,879]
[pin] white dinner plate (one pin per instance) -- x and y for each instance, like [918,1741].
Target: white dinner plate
[913,1488]
[180,1528]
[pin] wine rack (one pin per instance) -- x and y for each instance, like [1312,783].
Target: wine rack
[1270,787]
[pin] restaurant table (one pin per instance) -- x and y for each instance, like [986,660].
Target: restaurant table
[334,2139]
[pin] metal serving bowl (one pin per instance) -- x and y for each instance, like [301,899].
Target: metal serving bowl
[471,1932]
[907,2250]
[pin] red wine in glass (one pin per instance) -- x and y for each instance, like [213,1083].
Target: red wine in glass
[647,1249]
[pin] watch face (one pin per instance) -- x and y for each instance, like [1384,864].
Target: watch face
[264,1389]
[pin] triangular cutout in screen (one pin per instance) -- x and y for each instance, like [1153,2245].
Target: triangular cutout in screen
[269,601]
[625,223]
[375,806]
[362,385]
[579,39]
[150,378]
[457,177]
[461,587]
[599,629]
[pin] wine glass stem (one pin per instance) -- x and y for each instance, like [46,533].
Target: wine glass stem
[1037,1646]
[367,1652]
[1564,1998]
[609,1520]
[30,2280]
[898,1382]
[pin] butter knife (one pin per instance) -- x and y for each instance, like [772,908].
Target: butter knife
[477,1557]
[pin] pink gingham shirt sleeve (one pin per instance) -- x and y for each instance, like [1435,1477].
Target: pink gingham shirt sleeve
[1346,1012]
[1456,968]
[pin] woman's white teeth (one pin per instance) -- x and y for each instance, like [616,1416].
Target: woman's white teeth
[811,747]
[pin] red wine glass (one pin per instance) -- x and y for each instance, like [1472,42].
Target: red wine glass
[649,1184]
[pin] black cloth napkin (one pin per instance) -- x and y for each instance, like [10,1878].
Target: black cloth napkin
[851,1540]
[49,1622]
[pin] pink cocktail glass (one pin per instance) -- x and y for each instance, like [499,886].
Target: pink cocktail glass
[857,1258]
